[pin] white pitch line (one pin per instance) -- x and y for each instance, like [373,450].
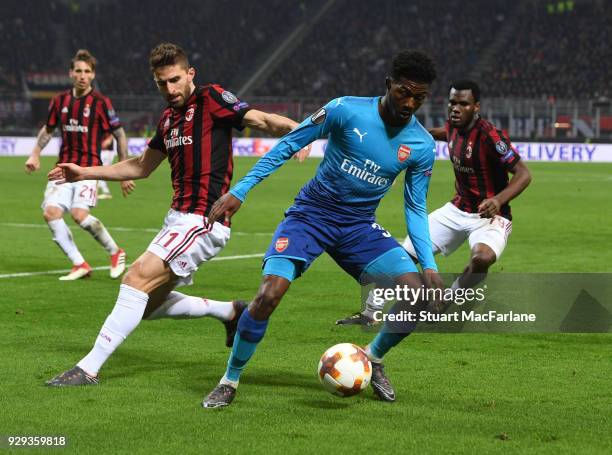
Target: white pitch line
[123,229]
[106,267]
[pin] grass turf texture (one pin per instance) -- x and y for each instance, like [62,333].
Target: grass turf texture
[459,393]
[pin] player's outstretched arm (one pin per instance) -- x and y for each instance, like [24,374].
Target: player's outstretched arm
[127,186]
[33,162]
[132,169]
[520,180]
[274,125]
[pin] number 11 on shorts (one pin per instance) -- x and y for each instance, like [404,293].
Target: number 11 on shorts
[168,236]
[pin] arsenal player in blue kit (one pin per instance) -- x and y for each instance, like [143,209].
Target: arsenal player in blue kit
[370,142]
[195,135]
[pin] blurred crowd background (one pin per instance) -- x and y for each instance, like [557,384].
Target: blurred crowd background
[544,67]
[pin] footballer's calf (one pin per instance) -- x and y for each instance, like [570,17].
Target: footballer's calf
[269,295]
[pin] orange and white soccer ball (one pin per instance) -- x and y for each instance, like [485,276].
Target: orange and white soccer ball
[344,370]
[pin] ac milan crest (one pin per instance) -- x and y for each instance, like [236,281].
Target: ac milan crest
[281,244]
[189,114]
[403,152]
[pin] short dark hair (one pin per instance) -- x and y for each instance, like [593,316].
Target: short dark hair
[165,54]
[466,84]
[83,55]
[414,65]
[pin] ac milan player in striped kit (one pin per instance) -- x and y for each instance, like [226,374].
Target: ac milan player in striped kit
[195,135]
[482,156]
[84,116]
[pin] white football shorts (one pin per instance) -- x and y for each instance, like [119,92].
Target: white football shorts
[184,243]
[449,227]
[67,196]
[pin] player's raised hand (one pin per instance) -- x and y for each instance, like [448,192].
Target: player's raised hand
[66,172]
[127,187]
[32,164]
[303,154]
[223,210]
[489,208]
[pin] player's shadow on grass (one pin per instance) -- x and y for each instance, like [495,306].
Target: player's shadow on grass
[280,378]
[125,364]
[338,403]
[275,378]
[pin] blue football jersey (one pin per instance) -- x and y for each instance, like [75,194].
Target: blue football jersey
[363,157]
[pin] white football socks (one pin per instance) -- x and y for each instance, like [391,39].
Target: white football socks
[63,237]
[371,356]
[371,307]
[103,186]
[95,227]
[455,284]
[181,306]
[226,381]
[124,318]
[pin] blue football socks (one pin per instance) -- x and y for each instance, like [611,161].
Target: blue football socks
[249,334]
[391,334]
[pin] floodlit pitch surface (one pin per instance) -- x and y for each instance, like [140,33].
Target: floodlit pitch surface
[459,393]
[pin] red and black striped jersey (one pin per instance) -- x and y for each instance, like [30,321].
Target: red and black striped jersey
[197,138]
[481,159]
[83,121]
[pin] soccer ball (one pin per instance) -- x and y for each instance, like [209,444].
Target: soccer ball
[345,370]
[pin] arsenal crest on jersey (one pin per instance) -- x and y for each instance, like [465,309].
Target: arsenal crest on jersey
[403,152]
[281,244]
[189,114]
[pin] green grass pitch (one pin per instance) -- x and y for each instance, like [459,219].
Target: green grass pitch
[457,393]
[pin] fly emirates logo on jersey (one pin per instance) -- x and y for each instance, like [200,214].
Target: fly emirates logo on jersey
[366,172]
[74,127]
[175,140]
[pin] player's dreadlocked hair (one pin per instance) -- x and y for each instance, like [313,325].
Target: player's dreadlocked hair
[416,66]
[83,55]
[165,54]
[466,84]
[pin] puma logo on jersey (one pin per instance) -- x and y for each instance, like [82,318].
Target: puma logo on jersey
[356,131]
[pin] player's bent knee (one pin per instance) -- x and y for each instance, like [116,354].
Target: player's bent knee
[269,295]
[410,279]
[482,261]
[52,214]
